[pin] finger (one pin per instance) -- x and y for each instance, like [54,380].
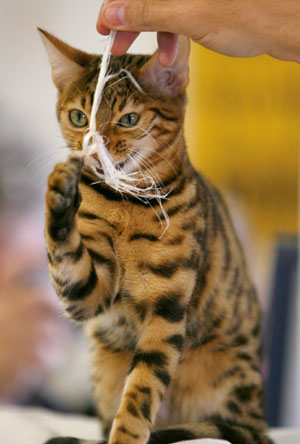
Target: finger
[102,29]
[148,15]
[123,41]
[167,48]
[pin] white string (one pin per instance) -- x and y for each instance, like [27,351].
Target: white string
[93,139]
[93,142]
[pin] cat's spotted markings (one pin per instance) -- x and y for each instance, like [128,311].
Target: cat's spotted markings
[173,321]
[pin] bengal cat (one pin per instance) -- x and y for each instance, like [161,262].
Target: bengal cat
[173,319]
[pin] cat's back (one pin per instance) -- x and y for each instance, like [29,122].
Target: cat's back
[224,296]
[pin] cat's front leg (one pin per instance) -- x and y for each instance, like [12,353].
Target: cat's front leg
[82,277]
[152,367]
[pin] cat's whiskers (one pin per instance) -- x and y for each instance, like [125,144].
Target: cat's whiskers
[164,144]
[144,163]
[164,158]
[132,176]
[128,184]
[148,150]
[138,163]
[128,180]
[38,157]
[55,157]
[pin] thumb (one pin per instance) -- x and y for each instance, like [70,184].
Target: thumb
[148,15]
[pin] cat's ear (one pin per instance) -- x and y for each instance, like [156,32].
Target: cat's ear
[168,80]
[67,62]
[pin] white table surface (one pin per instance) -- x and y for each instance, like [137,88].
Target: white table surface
[34,426]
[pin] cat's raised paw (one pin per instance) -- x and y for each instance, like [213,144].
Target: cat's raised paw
[63,185]
[63,197]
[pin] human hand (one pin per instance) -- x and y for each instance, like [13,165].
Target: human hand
[231,27]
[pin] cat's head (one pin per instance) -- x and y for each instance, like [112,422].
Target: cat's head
[142,129]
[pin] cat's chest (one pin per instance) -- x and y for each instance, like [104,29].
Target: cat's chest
[124,216]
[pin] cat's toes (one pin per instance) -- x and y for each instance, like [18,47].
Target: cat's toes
[63,186]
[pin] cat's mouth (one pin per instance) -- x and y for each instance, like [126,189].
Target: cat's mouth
[122,163]
[119,165]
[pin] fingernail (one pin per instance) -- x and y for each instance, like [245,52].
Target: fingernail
[115,15]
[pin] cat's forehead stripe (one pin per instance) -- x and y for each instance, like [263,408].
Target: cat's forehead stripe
[122,104]
[118,89]
[91,98]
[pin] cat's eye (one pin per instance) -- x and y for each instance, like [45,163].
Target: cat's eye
[129,120]
[78,118]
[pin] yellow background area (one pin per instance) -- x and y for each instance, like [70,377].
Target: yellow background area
[242,131]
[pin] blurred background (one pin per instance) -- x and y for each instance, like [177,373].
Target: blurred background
[242,131]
